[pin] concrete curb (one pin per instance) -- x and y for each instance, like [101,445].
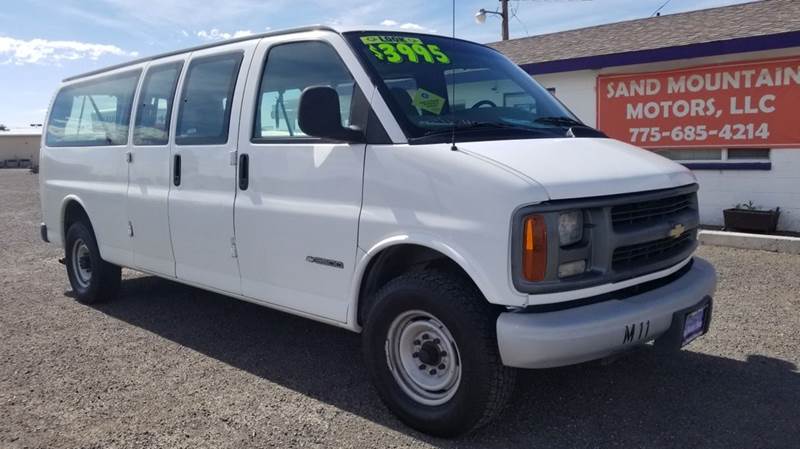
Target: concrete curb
[774,243]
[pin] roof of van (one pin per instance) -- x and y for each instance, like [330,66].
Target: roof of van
[335,29]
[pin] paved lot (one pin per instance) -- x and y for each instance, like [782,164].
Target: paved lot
[171,366]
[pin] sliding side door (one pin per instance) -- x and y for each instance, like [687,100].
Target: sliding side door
[150,179]
[203,167]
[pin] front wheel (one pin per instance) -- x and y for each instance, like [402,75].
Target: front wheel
[92,278]
[430,346]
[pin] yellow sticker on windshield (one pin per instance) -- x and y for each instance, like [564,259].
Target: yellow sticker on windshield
[428,101]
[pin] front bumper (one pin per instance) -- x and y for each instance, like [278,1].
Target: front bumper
[566,337]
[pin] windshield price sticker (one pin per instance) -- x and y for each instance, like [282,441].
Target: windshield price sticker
[399,49]
[428,101]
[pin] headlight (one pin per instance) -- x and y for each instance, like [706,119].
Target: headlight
[570,227]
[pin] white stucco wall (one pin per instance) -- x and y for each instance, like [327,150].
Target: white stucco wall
[18,146]
[719,189]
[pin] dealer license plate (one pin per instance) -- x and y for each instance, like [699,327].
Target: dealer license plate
[693,325]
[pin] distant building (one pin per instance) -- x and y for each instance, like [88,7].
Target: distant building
[717,90]
[20,147]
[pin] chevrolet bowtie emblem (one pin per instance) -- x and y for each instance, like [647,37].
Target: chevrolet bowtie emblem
[677,231]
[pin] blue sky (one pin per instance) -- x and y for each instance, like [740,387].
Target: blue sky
[42,42]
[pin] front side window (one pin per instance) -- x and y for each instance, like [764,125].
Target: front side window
[155,105]
[93,113]
[289,69]
[436,86]
[205,112]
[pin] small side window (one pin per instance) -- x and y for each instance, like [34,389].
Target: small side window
[205,113]
[289,69]
[93,113]
[155,105]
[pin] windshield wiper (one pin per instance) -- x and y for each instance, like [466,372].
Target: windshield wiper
[474,126]
[559,120]
[574,127]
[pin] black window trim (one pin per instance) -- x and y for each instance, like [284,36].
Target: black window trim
[257,114]
[94,143]
[170,107]
[204,141]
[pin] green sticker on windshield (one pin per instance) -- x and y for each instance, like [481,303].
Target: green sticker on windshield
[399,49]
[428,101]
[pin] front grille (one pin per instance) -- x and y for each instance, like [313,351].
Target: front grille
[650,211]
[626,236]
[646,253]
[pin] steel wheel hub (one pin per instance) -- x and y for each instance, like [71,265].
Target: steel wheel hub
[81,263]
[423,357]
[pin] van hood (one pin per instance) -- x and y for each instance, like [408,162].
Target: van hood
[583,167]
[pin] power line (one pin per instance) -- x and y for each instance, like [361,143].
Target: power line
[655,13]
[514,15]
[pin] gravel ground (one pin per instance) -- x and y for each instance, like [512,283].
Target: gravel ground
[169,366]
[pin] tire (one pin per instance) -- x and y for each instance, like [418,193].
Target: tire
[442,307]
[93,280]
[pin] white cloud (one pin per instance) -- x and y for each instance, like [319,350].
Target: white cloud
[410,26]
[186,13]
[215,34]
[43,51]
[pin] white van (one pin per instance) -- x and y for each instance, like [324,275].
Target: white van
[419,189]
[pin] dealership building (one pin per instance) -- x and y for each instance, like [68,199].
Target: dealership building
[717,90]
[19,147]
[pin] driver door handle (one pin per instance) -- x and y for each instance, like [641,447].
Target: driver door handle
[176,170]
[244,171]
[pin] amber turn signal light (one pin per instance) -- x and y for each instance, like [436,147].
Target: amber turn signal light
[534,248]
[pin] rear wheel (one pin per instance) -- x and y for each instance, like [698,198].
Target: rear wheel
[92,278]
[431,350]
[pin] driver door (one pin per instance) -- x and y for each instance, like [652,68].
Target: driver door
[299,197]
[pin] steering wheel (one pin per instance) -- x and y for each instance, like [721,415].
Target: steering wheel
[483,103]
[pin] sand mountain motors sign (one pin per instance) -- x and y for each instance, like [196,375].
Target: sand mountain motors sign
[752,104]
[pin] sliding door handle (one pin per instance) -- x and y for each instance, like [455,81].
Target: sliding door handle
[244,171]
[176,170]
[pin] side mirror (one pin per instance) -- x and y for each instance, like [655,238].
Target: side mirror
[319,116]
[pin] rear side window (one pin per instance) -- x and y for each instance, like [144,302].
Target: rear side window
[155,105]
[205,112]
[289,69]
[93,113]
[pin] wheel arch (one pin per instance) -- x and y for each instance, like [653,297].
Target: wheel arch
[72,210]
[398,255]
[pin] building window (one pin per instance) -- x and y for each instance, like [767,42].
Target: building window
[748,154]
[712,154]
[720,158]
[716,154]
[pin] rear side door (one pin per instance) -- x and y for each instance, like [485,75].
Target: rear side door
[150,179]
[297,213]
[203,167]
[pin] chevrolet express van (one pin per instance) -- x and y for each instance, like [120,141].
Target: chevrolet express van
[421,190]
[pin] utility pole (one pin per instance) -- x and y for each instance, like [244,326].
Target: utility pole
[504,18]
[480,17]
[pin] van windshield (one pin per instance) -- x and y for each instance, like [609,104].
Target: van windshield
[438,86]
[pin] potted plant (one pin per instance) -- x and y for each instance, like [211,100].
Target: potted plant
[748,217]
